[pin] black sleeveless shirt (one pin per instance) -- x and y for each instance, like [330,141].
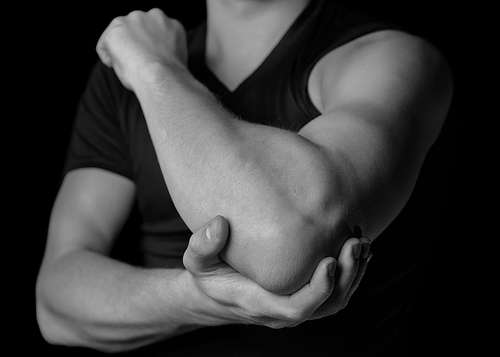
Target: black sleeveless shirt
[110,133]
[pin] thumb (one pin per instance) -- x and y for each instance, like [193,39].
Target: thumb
[205,245]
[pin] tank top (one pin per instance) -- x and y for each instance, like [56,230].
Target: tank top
[110,132]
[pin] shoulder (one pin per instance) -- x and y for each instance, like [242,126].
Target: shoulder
[383,66]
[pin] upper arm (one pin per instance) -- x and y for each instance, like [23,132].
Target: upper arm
[89,211]
[383,100]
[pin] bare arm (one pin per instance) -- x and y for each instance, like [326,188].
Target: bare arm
[291,199]
[268,182]
[384,100]
[215,164]
[86,298]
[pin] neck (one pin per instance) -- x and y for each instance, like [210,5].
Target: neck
[245,31]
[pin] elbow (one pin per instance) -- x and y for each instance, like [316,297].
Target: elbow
[49,324]
[301,223]
[49,328]
[42,315]
[53,327]
[296,246]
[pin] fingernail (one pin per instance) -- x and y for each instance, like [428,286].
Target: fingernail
[331,269]
[356,250]
[366,250]
[369,257]
[211,229]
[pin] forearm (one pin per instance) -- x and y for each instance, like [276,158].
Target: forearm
[272,185]
[204,151]
[86,299]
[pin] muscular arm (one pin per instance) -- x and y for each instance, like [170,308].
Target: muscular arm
[269,183]
[293,198]
[384,100]
[86,298]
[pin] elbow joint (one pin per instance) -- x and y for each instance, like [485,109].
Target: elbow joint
[294,251]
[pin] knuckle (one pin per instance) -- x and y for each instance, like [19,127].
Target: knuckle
[117,21]
[135,13]
[156,12]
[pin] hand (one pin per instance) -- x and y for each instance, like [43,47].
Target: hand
[353,260]
[129,43]
[237,299]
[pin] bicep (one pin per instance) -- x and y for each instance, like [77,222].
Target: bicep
[89,211]
[382,110]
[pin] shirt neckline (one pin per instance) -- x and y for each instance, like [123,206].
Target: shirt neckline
[272,60]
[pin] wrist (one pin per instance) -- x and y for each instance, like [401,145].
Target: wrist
[202,309]
[157,72]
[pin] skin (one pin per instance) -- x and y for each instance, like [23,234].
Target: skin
[362,175]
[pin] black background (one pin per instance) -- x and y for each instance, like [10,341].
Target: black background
[49,52]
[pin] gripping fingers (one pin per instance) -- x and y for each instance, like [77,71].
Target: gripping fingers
[323,281]
[348,264]
[347,277]
[365,256]
[317,291]
[352,263]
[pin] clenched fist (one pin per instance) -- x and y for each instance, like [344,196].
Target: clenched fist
[139,39]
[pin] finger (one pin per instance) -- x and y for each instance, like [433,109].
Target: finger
[347,269]
[205,245]
[363,263]
[319,288]
[290,310]
[348,264]
[366,244]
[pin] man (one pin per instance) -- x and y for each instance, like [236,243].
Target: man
[270,205]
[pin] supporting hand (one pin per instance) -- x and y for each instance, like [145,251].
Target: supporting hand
[237,299]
